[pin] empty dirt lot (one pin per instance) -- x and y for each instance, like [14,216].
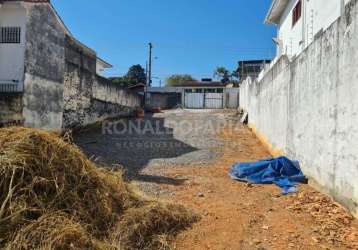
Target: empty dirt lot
[189,164]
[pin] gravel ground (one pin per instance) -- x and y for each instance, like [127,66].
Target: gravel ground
[145,147]
[184,157]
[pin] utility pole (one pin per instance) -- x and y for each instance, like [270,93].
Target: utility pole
[146,72]
[150,65]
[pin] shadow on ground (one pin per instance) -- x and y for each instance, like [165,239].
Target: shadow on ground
[133,143]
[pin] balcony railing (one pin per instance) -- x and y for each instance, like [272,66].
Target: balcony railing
[9,86]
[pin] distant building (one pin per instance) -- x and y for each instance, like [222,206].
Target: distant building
[251,68]
[194,95]
[101,66]
[204,83]
[299,21]
[138,88]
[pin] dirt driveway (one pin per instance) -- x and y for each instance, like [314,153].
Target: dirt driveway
[185,156]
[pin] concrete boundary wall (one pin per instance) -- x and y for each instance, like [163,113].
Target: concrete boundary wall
[89,98]
[104,90]
[308,109]
[11,109]
[44,68]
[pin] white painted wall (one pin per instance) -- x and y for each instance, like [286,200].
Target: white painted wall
[308,108]
[100,68]
[320,14]
[12,56]
[290,36]
[316,15]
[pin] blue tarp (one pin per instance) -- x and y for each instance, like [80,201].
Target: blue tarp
[281,171]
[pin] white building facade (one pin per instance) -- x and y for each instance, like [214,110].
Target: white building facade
[101,66]
[12,44]
[299,21]
[14,18]
[48,79]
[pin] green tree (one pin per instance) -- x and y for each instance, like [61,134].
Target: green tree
[223,74]
[177,80]
[136,74]
[121,81]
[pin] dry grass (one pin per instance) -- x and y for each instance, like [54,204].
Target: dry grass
[53,231]
[53,197]
[140,227]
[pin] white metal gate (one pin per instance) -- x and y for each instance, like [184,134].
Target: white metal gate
[214,101]
[194,100]
[203,100]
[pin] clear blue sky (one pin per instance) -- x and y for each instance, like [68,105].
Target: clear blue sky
[189,36]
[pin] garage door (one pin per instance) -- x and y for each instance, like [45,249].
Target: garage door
[214,100]
[194,100]
[203,100]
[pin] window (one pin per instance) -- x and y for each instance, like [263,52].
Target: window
[10,35]
[297,12]
[210,90]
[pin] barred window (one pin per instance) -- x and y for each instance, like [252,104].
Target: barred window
[10,35]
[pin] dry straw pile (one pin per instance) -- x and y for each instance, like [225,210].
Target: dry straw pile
[53,197]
